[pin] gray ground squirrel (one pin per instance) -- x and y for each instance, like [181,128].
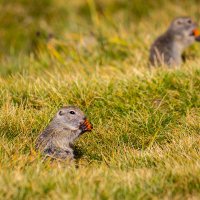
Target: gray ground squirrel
[57,139]
[168,48]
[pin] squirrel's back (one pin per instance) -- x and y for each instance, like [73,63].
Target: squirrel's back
[161,50]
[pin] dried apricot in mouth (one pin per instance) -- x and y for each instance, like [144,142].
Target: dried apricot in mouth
[88,125]
[196,32]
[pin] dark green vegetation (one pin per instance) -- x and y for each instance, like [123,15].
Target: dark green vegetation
[145,143]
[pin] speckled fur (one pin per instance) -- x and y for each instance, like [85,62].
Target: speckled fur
[57,139]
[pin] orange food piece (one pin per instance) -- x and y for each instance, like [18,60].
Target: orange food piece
[88,125]
[196,32]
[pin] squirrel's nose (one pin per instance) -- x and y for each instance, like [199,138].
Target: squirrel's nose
[84,118]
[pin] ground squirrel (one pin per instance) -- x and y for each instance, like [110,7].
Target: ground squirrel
[168,48]
[57,139]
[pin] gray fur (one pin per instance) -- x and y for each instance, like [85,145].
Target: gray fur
[168,48]
[58,137]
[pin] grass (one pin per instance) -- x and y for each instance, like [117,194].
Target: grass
[145,142]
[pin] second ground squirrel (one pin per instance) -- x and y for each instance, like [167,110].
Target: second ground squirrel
[168,48]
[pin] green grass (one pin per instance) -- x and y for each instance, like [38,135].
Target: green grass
[145,143]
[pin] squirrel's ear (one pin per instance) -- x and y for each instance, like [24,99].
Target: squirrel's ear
[61,113]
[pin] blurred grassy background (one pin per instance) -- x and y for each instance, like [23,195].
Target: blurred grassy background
[24,22]
[93,54]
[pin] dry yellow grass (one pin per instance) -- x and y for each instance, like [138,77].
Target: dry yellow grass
[145,142]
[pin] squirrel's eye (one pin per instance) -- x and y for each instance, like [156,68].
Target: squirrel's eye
[72,112]
[189,21]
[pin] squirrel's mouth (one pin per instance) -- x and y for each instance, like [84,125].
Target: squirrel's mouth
[196,34]
[86,126]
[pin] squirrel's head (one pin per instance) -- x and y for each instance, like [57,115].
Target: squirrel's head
[72,118]
[183,29]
